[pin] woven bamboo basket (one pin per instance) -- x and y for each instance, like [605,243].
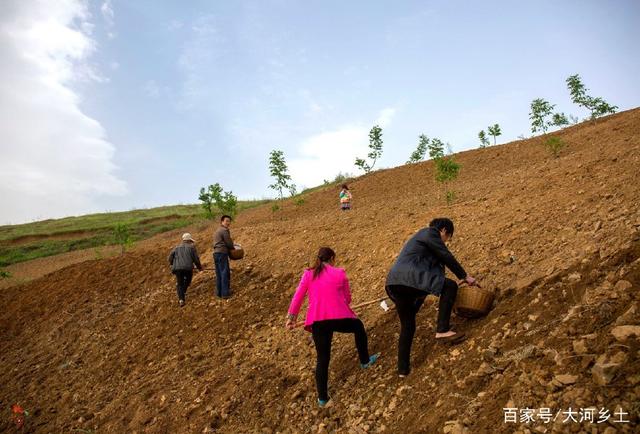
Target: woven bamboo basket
[473,302]
[237,252]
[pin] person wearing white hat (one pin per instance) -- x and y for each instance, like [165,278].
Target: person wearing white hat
[182,260]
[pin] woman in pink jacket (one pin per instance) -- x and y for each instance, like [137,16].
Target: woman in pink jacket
[328,312]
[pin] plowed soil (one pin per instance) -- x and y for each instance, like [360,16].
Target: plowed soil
[102,346]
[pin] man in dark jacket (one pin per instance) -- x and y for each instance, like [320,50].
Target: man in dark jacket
[222,244]
[182,259]
[418,272]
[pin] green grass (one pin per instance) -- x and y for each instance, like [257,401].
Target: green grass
[52,237]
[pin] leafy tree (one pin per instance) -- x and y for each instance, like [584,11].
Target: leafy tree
[484,142]
[559,120]
[421,150]
[375,150]
[494,131]
[597,106]
[446,168]
[207,201]
[436,149]
[122,236]
[279,171]
[540,109]
[224,201]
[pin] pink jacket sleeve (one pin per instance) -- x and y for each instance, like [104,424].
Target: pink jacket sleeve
[301,292]
[346,289]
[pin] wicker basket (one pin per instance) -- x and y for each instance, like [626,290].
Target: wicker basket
[237,252]
[473,302]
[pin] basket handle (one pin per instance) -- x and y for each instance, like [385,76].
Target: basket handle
[464,282]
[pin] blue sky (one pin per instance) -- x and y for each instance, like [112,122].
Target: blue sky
[114,105]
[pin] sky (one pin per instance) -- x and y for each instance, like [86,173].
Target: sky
[114,105]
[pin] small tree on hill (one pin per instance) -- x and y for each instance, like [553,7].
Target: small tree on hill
[484,142]
[4,274]
[597,106]
[559,120]
[446,168]
[540,111]
[224,201]
[375,150]
[494,131]
[122,236]
[279,171]
[421,150]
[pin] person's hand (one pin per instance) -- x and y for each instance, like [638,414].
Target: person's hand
[291,322]
[471,281]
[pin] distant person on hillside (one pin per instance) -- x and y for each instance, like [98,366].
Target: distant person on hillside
[418,272]
[222,244]
[182,260]
[328,312]
[345,198]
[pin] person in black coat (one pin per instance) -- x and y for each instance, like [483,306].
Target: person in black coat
[418,272]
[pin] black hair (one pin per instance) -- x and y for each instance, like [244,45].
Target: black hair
[345,186]
[325,254]
[442,223]
[225,217]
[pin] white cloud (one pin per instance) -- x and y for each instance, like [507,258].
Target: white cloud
[109,17]
[55,159]
[326,154]
[386,115]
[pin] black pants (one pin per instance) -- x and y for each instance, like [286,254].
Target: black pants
[408,302]
[323,334]
[183,280]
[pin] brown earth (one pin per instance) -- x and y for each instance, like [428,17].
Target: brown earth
[102,346]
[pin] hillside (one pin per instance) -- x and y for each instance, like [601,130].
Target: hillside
[102,346]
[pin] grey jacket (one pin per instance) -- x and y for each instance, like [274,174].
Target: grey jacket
[222,241]
[184,257]
[421,263]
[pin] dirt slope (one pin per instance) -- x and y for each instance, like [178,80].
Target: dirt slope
[101,346]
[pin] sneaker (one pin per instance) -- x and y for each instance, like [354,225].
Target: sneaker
[372,360]
[322,402]
[181,303]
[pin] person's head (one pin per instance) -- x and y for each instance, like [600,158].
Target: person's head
[187,238]
[225,220]
[326,255]
[444,226]
[345,187]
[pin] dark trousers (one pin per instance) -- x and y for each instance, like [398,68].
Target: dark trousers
[408,302]
[183,280]
[323,334]
[223,274]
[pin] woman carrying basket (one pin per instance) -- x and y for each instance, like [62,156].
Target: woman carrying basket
[328,312]
[418,272]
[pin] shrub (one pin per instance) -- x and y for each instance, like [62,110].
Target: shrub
[446,168]
[122,236]
[4,274]
[554,145]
